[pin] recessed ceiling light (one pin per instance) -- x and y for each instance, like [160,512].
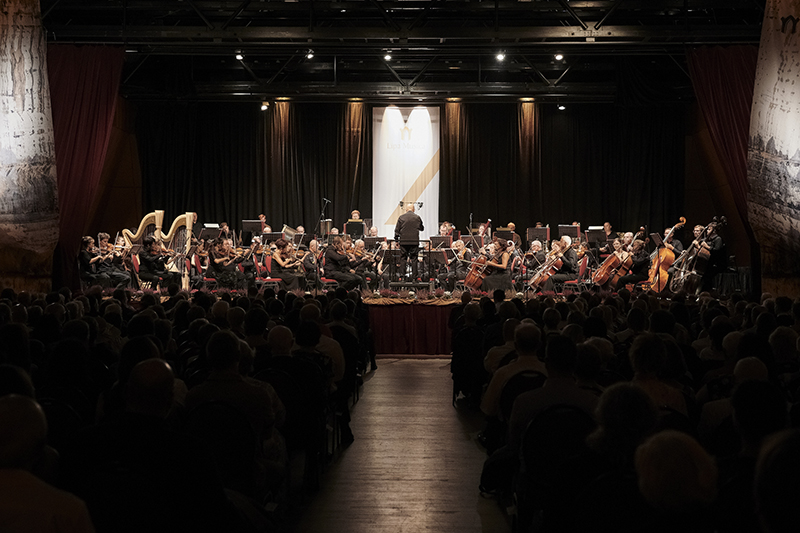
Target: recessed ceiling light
[559,57]
[388,57]
[561,107]
[501,56]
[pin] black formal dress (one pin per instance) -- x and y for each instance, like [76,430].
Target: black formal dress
[498,278]
[291,277]
[228,276]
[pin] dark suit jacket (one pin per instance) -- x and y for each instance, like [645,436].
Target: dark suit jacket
[408,227]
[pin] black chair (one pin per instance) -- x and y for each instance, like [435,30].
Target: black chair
[552,438]
[519,383]
[230,438]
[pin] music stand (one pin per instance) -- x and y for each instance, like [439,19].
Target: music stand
[568,229]
[442,241]
[657,239]
[271,237]
[209,233]
[354,228]
[503,234]
[474,242]
[596,236]
[372,242]
[538,234]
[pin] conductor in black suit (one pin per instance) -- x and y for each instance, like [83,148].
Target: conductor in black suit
[406,233]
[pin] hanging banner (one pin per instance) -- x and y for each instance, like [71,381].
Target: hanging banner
[405,166]
[774,150]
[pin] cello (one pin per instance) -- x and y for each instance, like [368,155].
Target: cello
[694,260]
[661,260]
[552,264]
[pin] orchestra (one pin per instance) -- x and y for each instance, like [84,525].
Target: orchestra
[611,261]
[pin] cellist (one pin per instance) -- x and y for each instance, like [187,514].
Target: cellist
[569,264]
[639,267]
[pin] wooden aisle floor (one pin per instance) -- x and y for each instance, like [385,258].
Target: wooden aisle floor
[415,464]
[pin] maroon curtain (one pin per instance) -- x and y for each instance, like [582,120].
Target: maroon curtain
[84,81]
[723,79]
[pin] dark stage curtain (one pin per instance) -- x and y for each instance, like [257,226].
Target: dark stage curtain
[84,81]
[508,162]
[589,163]
[231,162]
[724,80]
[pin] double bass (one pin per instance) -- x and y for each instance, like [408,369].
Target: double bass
[694,261]
[661,259]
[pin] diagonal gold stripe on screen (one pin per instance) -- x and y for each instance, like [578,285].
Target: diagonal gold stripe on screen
[418,187]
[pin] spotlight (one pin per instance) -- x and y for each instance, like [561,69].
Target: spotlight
[501,56]
[310,54]
[559,57]
[388,57]
[561,107]
[239,56]
[264,106]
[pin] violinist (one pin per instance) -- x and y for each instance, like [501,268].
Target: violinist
[87,261]
[337,265]
[639,268]
[500,264]
[373,231]
[111,262]
[224,231]
[286,266]
[391,266]
[151,264]
[569,263]
[224,265]
[457,267]
[364,265]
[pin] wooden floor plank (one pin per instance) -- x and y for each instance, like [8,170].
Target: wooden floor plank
[415,464]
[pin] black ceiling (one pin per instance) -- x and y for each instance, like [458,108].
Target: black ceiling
[184,49]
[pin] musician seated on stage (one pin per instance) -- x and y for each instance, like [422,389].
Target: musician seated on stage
[514,235]
[392,266]
[87,260]
[500,274]
[457,267]
[355,215]
[152,267]
[224,265]
[311,266]
[364,265]
[373,231]
[337,265]
[287,267]
[300,229]
[639,268]
[112,262]
[569,263]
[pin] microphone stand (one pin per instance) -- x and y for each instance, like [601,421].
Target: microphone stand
[321,214]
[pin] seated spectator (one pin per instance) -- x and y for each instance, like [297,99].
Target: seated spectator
[678,480]
[588,367]
[648,356]
[527,342]
[777,483]
[28,504]
[136,475]
[496,354]
[560,388]
[466,365]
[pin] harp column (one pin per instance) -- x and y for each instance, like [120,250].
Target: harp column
[28,190]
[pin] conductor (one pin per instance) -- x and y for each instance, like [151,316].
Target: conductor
[406,233]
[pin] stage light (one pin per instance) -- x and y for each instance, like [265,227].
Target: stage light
[264,106]
[239,56]
[388,57]
[561,107]
[310,54]
[501,56]
[559,57]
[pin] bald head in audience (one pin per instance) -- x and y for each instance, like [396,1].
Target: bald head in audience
[280,340]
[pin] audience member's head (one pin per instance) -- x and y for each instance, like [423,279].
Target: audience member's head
[23,446]
[472,313]
[14,380]
[308,333]
[626,415]
[508,329]
[648,354]
[560,356]
[777,483]
[526,340]
[759,410]
[222,351]
[149,390]
[280,340]
[675,474]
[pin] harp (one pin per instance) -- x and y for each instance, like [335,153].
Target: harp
[149,226]
[179,239]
